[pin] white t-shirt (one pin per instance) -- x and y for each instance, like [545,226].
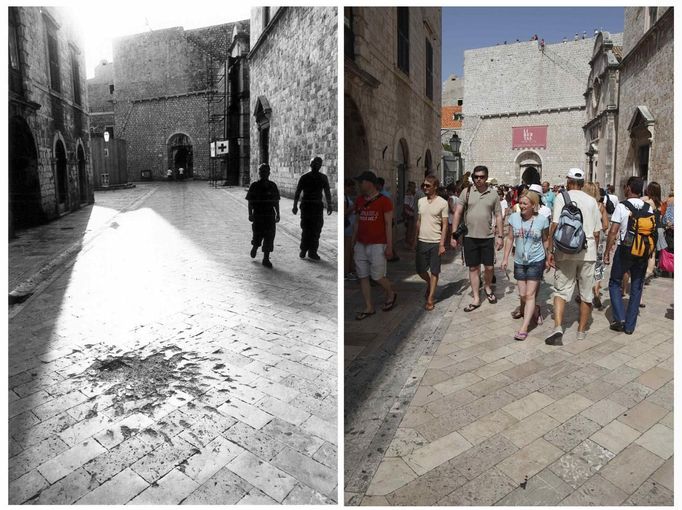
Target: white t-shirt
[503,206]
[591,223]
[621,214]
[431,217]
[546,212]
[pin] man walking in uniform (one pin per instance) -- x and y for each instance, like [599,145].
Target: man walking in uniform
[312,184]
[263,197]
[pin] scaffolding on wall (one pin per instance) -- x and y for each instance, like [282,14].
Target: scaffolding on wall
[216,105]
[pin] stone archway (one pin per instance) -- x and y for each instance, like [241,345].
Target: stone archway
[528,167]
[61,175]
[181,154]
[402,158]
[82,174]
[263,114]
[356,144]
[25,207]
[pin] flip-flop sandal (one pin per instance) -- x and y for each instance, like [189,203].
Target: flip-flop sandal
[520,335]
[492,299]
[429,306]
[390,304]
[516,314]
[363,315]
[471,307]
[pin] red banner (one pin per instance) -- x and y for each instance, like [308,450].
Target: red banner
[529,137]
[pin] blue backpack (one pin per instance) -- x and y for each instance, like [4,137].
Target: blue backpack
[569,236]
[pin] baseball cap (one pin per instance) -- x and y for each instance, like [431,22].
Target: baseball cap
[576,174]
[536,187]
[367,175]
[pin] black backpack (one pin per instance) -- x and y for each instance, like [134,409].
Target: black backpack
[609,205]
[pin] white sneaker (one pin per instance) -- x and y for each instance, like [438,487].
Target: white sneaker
[582,335]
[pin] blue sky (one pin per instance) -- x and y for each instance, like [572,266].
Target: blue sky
[478,27]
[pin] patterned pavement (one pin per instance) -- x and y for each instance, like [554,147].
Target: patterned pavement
[446,408]
[157,363]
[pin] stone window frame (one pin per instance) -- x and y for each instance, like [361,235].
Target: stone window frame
[403,39]
[76,75]
[348,33]
[52,53]
[429,69]
[651,15]
[14,57]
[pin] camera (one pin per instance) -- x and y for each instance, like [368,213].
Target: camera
[460,232]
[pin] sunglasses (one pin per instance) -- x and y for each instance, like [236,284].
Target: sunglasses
[479,176]
[426,185]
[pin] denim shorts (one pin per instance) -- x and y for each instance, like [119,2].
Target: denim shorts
[530,271]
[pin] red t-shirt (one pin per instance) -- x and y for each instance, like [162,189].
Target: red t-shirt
[370,218]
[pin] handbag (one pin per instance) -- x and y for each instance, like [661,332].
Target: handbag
[666,261]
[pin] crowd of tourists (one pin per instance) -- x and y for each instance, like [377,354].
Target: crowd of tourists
[572,236]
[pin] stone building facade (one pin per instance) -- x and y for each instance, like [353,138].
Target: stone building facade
[392,94]
[646,115]
[451,128]
[293,89]
[169,96]
[101,99]
[49,143]
[524,106]
[601,106]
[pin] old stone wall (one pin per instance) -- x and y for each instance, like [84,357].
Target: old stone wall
[393,121]
[161,80]
[524,84]
[646,79]
[492,145]
[56,114]
[294,66]
[150,125]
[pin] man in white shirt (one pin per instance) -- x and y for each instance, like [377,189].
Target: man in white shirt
[625,320]
[576,266]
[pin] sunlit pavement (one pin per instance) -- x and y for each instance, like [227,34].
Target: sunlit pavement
[164,365]
[446,408]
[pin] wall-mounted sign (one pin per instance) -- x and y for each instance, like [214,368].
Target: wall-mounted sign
[529,137]
[213,149]
[221,147]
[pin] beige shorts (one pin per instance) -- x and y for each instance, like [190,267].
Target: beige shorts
[570,271]
[370,260]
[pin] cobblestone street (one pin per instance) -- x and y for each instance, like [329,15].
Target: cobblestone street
[446,408]
[156,362]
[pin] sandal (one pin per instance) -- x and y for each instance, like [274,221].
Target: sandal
[517,314]
[492,299]
[520,336]
[429,306]
[363,315]
[388,305]
[471,307]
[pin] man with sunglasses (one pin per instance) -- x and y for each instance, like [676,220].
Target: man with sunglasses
[475,209]
[432,226]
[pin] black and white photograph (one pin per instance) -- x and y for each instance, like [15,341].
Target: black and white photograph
[172,254]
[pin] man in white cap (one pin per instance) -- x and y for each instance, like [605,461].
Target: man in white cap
[574,266]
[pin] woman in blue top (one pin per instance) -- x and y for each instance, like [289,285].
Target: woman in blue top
[528,233]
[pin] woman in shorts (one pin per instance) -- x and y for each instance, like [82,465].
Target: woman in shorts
[528,233]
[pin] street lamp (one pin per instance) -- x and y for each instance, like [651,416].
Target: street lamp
[106,136]
[455,144]
[590,154]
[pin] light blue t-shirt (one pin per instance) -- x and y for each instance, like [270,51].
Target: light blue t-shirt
[528,237]
[549,199]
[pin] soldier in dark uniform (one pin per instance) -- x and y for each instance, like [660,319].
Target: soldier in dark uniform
[263,197]
[311,185]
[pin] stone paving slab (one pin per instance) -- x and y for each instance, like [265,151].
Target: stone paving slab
[161,364]
[493,421]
